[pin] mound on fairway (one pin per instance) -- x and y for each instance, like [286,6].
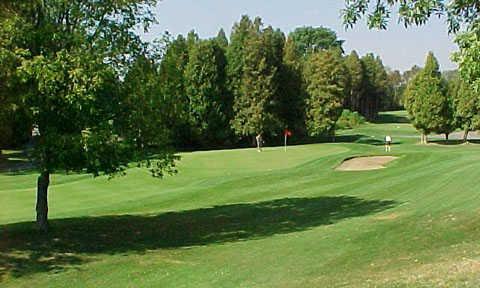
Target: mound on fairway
[365,163]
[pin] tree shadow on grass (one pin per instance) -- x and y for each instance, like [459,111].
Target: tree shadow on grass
[358,138]
[453,142]
[71,241]
[385,118]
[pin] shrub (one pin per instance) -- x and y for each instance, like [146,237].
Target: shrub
[349,120]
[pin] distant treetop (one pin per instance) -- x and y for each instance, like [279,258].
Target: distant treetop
[311,39]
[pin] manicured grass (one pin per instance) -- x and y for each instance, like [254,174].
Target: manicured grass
[240,218]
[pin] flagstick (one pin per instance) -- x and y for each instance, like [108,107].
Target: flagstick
[285,142]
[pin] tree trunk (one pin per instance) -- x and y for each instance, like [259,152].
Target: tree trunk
[465,136]
[42,201]
[446,136]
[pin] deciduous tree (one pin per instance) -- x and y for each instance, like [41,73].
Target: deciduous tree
[74,54]
[411,12]
[311,39]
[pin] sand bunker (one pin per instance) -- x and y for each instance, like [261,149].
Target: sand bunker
[365,163]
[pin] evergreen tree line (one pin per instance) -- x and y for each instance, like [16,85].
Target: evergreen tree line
[225,91]
[222,92]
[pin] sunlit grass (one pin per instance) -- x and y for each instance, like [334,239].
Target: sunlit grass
[239,218]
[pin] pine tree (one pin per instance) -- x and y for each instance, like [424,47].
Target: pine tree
[274,42]
[235,53]
[222,40]
[205,89]
[253,105]
[292,93]
[192,39]
[394,91]
[172,82]
[374,86]
[355,91]
[326,76]
[143,102]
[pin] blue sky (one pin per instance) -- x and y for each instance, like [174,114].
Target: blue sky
[399,48]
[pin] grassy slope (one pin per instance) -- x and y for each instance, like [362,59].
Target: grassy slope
[246,219]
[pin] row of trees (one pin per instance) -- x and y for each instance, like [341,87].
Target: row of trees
[440,105]
[457,105]
[219,91]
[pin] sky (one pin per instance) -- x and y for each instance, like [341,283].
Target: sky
[400,48]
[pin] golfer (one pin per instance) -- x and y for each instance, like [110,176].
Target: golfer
[259,139]
[388,143]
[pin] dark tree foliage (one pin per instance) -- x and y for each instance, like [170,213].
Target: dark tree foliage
[395,88]
[209,103]
[374,86]
[172,82]
[356,75]
[221,39]
[292,91]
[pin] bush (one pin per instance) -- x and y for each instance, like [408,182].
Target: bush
[349,119]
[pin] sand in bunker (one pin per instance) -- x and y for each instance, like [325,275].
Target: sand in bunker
[365,163]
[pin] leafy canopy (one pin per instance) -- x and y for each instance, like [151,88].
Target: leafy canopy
[411,12]
[73,57]
[311,39]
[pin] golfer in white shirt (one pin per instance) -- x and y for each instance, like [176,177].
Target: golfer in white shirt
[388,143]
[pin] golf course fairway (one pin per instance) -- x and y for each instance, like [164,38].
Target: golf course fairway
[240,218]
